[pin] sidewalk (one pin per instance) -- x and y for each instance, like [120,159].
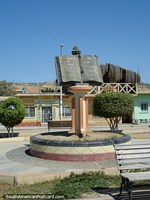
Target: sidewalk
[21,168]
[16,166]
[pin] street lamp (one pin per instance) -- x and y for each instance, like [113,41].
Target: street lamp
[61,46]
[60,102]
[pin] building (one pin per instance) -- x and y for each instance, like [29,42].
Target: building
[42,107]
[142,105]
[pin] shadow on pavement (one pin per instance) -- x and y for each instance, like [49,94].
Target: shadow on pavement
[138,193]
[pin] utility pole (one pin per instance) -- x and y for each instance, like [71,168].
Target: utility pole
[61,46]
[60,102]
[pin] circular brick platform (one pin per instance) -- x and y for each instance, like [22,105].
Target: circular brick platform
[75,150]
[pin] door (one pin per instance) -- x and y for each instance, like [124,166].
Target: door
[126,119]
[46,114]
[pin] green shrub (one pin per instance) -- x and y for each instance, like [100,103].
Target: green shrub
[12,112]
[113,106]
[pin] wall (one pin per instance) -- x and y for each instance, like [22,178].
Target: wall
[43,103]
[139,116]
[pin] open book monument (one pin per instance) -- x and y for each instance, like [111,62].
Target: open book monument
[71,69]
[77,68]
[77,72]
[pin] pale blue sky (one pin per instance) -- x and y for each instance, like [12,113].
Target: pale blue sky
[31,31]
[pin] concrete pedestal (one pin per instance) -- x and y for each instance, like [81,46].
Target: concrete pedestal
[79,109]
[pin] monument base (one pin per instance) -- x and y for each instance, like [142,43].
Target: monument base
[94,150]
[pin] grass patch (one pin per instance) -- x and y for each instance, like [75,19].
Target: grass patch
[76,184]
[70,187]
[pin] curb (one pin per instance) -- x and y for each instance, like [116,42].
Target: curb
[32,178]
[7,178]
[14,139]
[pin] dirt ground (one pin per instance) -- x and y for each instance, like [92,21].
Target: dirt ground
[64,136]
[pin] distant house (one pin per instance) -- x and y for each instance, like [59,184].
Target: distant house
[42,107]
[45,106]
[142,105]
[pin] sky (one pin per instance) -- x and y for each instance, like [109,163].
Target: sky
[32,31]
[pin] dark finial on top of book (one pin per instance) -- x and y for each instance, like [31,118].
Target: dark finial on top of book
[76,51]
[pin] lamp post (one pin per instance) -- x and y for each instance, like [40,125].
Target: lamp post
[60,102]
[61,46]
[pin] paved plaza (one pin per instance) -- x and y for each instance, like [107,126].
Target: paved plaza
[17,166]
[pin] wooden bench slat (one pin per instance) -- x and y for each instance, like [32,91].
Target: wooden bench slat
[137,176]
[132,146]
[129,161]
[135,166]
[131,151]
[132,156]
[137,173]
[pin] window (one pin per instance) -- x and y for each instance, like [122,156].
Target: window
[30,111]
[144,106]
[66,111]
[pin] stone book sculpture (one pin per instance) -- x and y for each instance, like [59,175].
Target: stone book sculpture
[71,69]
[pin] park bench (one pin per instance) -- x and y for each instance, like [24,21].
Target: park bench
[134,164]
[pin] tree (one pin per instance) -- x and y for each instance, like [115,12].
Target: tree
[113,106]
[12,112]
[6,88]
